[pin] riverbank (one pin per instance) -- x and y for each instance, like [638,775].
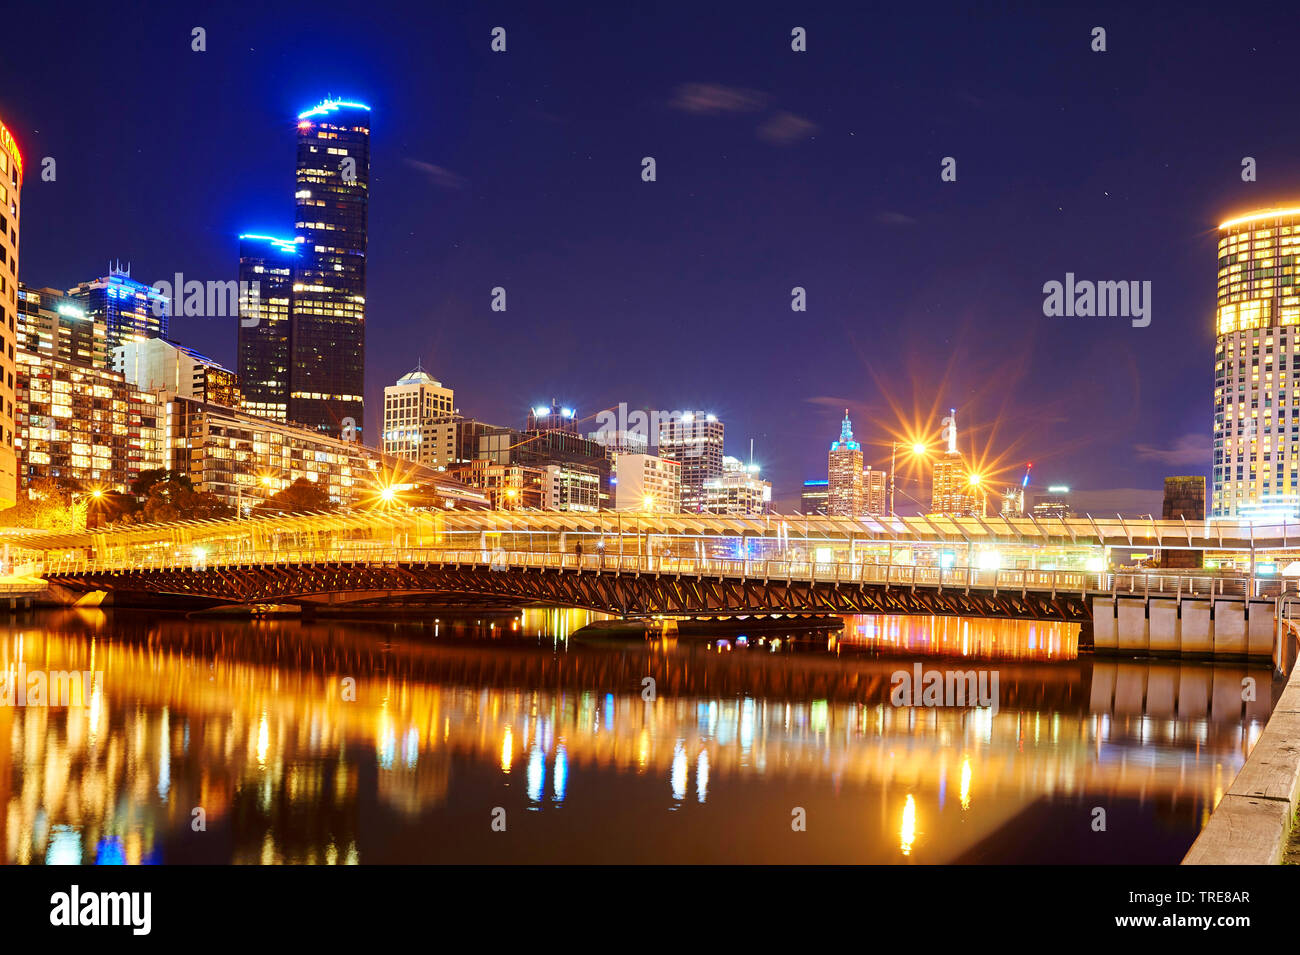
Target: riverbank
[1252,824]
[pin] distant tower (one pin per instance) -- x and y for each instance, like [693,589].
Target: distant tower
[695,442]
[844,473]
[328,343]
[950,493]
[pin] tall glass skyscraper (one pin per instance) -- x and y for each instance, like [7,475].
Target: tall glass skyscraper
[328,340]
[302,337]
[844,472]
[129,310]
[1256,363]
[266,277]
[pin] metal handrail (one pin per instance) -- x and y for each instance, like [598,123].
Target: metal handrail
[833,572]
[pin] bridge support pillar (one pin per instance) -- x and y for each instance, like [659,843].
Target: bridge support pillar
[1162,626]
[1104,629]
[1229,628]
[1132,625]
[1196,629]
[1260,627]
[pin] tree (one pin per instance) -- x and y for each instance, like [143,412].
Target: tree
[48,504]
[170,496]
[146,480]
[299,497]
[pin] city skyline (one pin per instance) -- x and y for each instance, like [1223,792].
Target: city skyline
[921,328]
[507,434]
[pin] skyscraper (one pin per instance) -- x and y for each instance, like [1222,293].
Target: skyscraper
[844,473]
[1256,367]
[551,418]
[693,440]
[410,408]
[11,184]
[266,268]
[875,491]
[327,341]
[53,325]
[129,310]
[952,492]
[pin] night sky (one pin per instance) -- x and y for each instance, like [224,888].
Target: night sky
[775,169]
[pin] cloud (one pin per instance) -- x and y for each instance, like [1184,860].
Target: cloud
[707,98]
[1190,449]
[784,128]
[438,175]
[894,218]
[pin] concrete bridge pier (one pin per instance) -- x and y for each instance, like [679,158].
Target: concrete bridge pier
[1200,626]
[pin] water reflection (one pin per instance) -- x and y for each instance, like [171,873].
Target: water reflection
[341,742]
[963,637]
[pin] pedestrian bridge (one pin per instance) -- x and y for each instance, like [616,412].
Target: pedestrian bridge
[644,565]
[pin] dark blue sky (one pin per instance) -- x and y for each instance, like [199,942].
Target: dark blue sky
[775,169]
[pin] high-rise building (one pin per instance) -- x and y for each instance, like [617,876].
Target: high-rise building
[875,491]
[509,487]
[155,364]
[410,409]
[327,342]
[953,492]
[1054,505]
[647,483]
[570,487]
[623,441]
[52,324]
[85,424]
[844,472]
[814,497]
[1257,367]
[739,491]
[243,459]
[539,449]
[11,185]
[266,277]
[1184,500]
[695,442]
[551,418]
[129,310]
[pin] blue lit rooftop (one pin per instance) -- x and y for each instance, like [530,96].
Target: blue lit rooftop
[329,106]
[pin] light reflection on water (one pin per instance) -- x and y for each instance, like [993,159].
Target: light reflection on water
[254,724]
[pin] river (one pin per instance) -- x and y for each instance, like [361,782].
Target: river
[508,739]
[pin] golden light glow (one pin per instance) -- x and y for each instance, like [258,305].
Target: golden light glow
[919,448]
[974,480]
[1263,214]
[907,833]
[387,494]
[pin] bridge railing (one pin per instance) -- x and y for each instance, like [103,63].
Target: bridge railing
[832,572]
